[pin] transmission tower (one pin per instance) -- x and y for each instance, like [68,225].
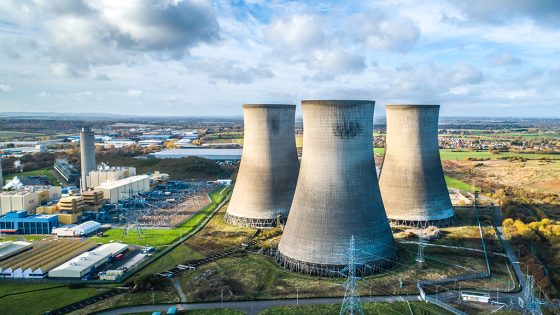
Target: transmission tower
[420,257]
[532,303]
[351,304]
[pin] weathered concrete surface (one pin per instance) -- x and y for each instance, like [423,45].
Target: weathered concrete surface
[337,194]
[269,167]
[87,154]
[412,181]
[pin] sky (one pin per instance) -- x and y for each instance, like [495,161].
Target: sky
[489,58]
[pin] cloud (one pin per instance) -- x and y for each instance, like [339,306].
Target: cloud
[545,12]
[231,71]
[106,31]
[134,93]
[300,31]
[5,88]
[62,70]
[385,33]
[504,59]
[329,64]
[466,74]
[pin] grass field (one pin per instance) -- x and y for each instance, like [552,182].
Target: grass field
[448,154]
[41,301]
[369,308]
[16,134]
[457,184]
[162,237]
[42,171]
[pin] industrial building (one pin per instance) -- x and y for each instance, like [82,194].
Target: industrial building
[98,177]
[84,229]
[267,176]
[10,249]
[67,171]
[124,188]
[87,155]
[337,196]
[43,257]
[18,200]
[211,154]
[411,181]
[20,222]
[88,262]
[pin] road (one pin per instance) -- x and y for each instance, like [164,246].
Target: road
[252,307]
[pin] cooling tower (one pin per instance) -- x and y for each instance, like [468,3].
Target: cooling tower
[412,181]
[267,176]
[337,195]
[87,154]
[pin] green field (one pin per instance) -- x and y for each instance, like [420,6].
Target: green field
[17,134]
[448,154]
[369,308]
[457,184]
[42,171]
[48,298]
[162,237]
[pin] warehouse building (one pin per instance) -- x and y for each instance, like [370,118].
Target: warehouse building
[43,257]
[10,249]
[20,222]
[98,177]
[88,262]
[125,188]
[80,230]
[211,154]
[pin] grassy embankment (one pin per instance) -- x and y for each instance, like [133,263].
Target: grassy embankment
[42,171]
[162,237]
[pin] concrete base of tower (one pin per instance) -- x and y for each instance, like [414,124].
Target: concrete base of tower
[423,224]
[333,271]
[253,222]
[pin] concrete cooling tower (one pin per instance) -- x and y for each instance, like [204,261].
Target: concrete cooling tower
[412,181]
[267,176]
[87,154]
[337,195]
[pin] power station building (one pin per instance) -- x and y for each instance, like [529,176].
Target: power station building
[87,155]
[269,167]
[337,195]
[411,180]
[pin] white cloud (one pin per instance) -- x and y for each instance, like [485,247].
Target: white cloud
[134,93]
[5,88]
[466,74]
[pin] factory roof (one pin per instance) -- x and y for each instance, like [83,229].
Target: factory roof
[47,255]
[86,260]
[22,215]
[124,181]
[211,154]
[8,249]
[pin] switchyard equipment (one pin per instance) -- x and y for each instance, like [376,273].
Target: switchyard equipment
[412,181]
[87,155]
[269,167]
[337,195]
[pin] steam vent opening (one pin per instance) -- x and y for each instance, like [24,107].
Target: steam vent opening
[337,195]
[412,182]
[269,167]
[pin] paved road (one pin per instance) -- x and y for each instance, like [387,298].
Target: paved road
[179,290]
[253,307]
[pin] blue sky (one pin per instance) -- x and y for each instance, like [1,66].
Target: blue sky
[199,58]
